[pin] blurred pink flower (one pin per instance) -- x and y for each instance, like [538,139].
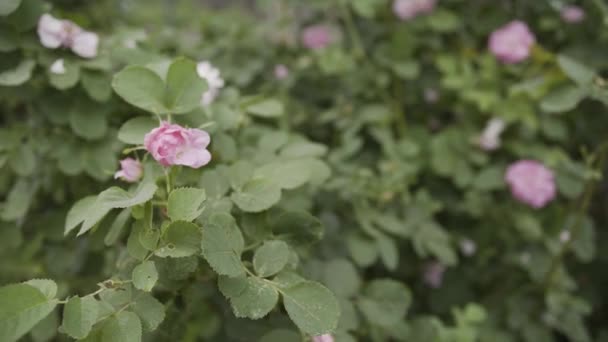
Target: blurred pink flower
[572,14]
[512,43]
[433,274]
[172,144]
[54,33]
[281,72]
[531,183]
[409,9]
[317,36]
[130,170]
[490,137]
[323,338]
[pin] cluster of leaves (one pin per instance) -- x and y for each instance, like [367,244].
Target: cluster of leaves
[330,190]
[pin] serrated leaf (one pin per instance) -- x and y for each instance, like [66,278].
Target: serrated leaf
[117,227]
[269,108]
[180,239]
[184,87]
[231,286]
[78,213]
[125,326]
[257,195]
[134,130]
[288,174]
[134,246]
[79,315]
[271,258]
[21,74]
[256,300]
[185,204]
[222,245]
[142,88]
[385,302]
[150,311]
[145,276]
[312,307]
[46,286]
[23,306]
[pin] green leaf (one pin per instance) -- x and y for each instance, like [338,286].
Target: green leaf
[124,326]
[385,302]
[23,306]
[270,258]
[117,227]
[222,245]
[134,246]
[184,87]
[46,286]
[185,204]
[8,6]
[98,85]
[576,71]
[21,74]
[562,99]
[281,335]
[302,149]
[79,315]
[312,307]
[78,213]
[89,123]
[341,276]
[180,239]
[134,130]
[269,108]
[232,286]
[256,300]
[145,276]
[19,200]
[150,311]
[66,80]
[288,174]
[257,195]
[297,227]
[142,88]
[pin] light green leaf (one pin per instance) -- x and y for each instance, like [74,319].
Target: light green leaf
[150,311]
[257,195]
[66,80]
[185,204]
[141,87]
[269,108]
[222,245]
[46,286]
[145,276]
[125,326]
[302,149]
[270,258]
[19,75]
[232,286]
[19,200]
[341,276]
[98,85]
[78,213]
[256,300]
[8,6]
[134,246]
[117,227]
[385,302]
[288,174]
[134,130]
[180,239]
[576,71]
[22,307]
[184,87]
[88,123]
[79,315]
[312,307]
[239,174]
[562,99]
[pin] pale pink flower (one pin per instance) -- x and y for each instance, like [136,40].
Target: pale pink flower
[323,338]
[512,43]
[531,183]
[572,14]
[433,274]
[130,170]
[489,139]
[58,67]
[317,37]
[172,144]
[55,33]
[281,72]
[409,9]
[215,82]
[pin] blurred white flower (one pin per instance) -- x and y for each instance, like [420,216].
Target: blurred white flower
[468,247]
[85,44]
[58,67]
[564,236]
[490,137]
[54,33]
[215,82]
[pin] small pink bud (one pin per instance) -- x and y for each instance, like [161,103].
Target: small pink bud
[531,183]
[281,72]
[433,274]
[323,338]
[172,144]
[572,14]
[512,43]
[317,37]
[409,9]
[130,170]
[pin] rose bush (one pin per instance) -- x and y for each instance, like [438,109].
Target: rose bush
[364,170]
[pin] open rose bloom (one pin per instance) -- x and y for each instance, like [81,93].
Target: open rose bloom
[130,170]
[512,43]
[409,9]
[317,37]
[55,33]
[531,183]
[172,144]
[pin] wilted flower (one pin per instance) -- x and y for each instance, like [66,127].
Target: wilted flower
[408,9]
[433,274]
[130,170]
[172,144]
[317,37]
[531,183]
[572,14]
[281,72]
[512,43]
[468,247]
[215,82]
[58,67]
[54,33]
[490,137]
[323,338]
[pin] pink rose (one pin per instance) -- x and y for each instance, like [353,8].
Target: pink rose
[572,14]
[130,170]
[281,72]
[409,9]
[55,33]
[317,37]
[433,274]
[323,338]
[512,43]
[531,183]
[172,144]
